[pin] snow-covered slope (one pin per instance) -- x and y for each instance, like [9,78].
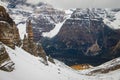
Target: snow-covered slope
[53,32]
[112,19]
[107,71]
[33,1]
[109,16]
[28,67]
[57,27]
[3,4]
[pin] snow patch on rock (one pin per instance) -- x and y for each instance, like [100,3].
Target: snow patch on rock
[58,26]
[22,30]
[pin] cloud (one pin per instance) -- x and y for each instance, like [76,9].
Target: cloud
[65,4]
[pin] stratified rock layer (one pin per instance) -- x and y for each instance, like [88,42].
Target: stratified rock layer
[5,62]
[30,46]
[9,34]
[85,38]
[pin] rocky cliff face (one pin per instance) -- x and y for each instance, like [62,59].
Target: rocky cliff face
[45,19]
[5,62]
[28,43]
[30,46]
[9,34]
[5,16]
[85,38]
[43,16]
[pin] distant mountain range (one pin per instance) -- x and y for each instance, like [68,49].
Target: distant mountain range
[75,36]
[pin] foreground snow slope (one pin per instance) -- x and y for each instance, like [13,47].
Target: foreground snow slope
[28,67]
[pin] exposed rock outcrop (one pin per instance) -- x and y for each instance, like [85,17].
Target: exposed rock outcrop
[17,40]
[42,53]
[93,50]
[30,46]
[5,62]
[4,16]
[116,49]
[9,34]
[51,59]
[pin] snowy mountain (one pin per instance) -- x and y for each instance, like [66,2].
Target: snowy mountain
[43,16]
[88,34]
[57,27]
[58,30]
[21,58]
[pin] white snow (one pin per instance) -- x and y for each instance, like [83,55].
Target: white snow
[112,75]
[28,67]
[4,4]
[18,18]
[69,12]
[57,28]
[33,1]
[22,30]
[53,32]
[115,24]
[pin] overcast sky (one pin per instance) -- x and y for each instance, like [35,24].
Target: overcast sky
[65,4]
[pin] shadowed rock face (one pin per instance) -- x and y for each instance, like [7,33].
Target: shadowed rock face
[84,38]
[80,36]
